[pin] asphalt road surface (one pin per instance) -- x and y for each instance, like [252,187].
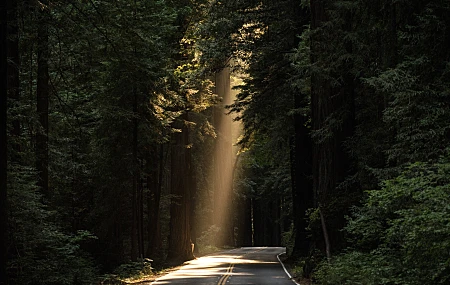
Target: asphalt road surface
[246,265]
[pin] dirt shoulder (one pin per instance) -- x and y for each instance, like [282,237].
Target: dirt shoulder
[294,270]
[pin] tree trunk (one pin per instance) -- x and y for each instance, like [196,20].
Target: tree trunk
[247,223]
[331,163]
[141,218]
[301,161]
[323,180]
[3,144]
[275,219]
[244,221]
[137,202]
[154,181]
[13,75]
[302,188]
[192,181]
[43,98]
[325,236]
[134,166]
[258,223]
[180,244]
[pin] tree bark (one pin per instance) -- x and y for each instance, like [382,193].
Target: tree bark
[247,223]
[13,74]
[331,163]
[43,98]
[3,144]
[323,174]
[301,160]
[244,222]
[180,243]
[302,188]
[325,236]
[141,218]
[154,181]
[135,191]
[275,219]
[192,181]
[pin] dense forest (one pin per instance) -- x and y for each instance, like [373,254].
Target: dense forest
[139,134]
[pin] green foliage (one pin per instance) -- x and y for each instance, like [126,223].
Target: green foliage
[42,253]
[400,234]
[265,175]
[207,240]
[288,240]
[297,269]
[208,237]
[258,40]
[112,66]
[354,268]
[134,270]
[402,98]
[265,179]
[117,65]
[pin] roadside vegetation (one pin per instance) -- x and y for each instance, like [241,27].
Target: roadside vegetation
[139,134]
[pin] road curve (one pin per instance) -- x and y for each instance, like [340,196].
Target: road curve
[246,265]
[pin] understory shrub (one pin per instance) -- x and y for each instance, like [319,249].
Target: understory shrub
[401,234]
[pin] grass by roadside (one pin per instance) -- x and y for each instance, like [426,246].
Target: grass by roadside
[295,268]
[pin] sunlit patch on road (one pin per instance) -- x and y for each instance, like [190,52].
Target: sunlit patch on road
[240,264]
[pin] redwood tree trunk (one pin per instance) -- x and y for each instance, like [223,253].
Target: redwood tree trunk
[323,180]
[135,191]
[192,182]
[258,223]
[331,163]
[244,222]
[180,244]
[13,74]
[3,141]
[141,218]
[301,161]
[247,222]
[275,221]
[154,181]
[42,99]
[302,188]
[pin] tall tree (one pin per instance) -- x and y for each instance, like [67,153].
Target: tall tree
[136,72]
[180,242]
[3,143]
[135,217]
[154,182]
[13,73]
[302,190]
[301,143]
[42,92]
[332,115]
[320,109]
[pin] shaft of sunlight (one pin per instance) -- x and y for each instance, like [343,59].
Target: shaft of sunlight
[224,158]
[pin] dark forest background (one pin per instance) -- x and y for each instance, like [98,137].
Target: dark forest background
[111,116]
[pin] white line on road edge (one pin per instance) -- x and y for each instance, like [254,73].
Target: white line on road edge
[285,270]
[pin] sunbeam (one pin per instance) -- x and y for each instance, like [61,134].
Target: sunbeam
[223,163]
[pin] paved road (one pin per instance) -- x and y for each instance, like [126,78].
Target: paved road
[246,265]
